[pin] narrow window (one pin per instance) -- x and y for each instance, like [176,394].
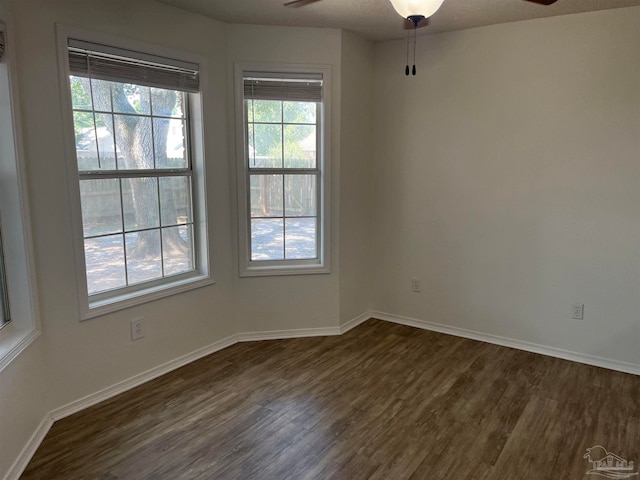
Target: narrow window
[283,180]
[18,319]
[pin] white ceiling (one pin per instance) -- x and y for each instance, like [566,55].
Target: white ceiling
[377,20]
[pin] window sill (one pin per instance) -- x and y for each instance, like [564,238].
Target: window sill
[98,308]
[14,341]
[274,270]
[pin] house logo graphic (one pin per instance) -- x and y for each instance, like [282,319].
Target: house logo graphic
[608,465]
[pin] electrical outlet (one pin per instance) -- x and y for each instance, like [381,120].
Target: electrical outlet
[578,311]
[137,330]
[415,285]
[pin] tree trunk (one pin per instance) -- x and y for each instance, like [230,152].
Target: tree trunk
[134,137]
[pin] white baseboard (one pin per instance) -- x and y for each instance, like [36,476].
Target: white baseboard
[282,334]
[304,332]
[29,449]
[354,322]
[139,379]
[510,342]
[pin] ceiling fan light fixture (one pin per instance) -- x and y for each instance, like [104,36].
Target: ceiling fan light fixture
[416,8]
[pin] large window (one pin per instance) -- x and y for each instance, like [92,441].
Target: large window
[283,172]
[138,184]
[18,311]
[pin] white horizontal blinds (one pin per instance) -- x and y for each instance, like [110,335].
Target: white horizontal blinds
[2,41]
[294,87]
[104,62]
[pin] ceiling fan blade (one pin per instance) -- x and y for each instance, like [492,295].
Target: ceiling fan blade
[542,2]
[299,3]
[408,24]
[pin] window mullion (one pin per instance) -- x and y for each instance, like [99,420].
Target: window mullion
[124,235]
[284,189]
[284,217]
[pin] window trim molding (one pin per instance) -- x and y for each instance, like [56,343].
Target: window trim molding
[202,276]
[246,267]
[24,327]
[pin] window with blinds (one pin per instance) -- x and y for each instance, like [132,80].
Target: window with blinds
[283,171]
[131,117]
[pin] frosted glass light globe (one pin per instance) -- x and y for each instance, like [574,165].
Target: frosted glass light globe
[407,8]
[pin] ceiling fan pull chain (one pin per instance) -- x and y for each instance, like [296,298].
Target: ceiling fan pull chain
[415,38]
[406,69]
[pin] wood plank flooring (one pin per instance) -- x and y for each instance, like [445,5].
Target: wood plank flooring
[383,401]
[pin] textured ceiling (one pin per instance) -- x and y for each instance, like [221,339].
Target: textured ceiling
[377,20]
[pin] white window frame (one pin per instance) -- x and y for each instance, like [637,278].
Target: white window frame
[104,303]
[24,327]
[321,265]
[5,310]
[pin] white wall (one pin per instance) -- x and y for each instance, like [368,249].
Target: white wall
[298,301]
[506,179]
[356,267]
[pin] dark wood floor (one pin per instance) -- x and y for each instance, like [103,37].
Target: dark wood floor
[382,401]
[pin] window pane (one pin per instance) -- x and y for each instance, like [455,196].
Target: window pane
[300,146]
[167,103]
[133,142]
[177,249]
[268,145]
[267,241]
[300,198]
[169,143]
[101,95]
[101,210]
[299,112]
[106,142]
[269,111]
[86,141]
[129,98]
[175,200]
[300,238]
[80,93]
[251,150]
[266,196]
[104,257]
[248,105]
[140,203]
[144,261]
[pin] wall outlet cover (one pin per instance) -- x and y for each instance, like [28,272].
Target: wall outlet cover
[137,330]
[578,311]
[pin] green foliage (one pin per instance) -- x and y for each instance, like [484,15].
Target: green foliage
[266,135]
[80,100]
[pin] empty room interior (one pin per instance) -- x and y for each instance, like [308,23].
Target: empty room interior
[334,239]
